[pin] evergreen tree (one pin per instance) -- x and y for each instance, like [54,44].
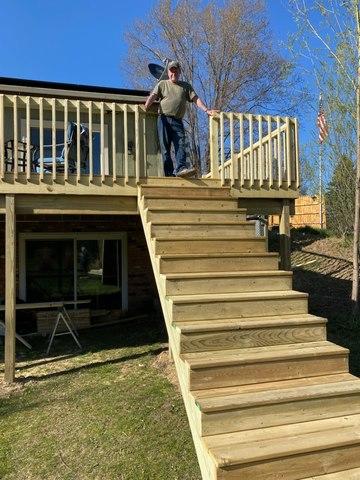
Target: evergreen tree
[340,198]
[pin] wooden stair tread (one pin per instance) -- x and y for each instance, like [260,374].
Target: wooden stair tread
[164,209]
[202,224]
[215,358]
[223,324]
[269,386]
[298,393]
[230,297]
[218,255]
[352,474]
[224,198]
[241,273]
[202,239]
[283,441]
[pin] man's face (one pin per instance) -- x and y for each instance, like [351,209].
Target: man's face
[174,74]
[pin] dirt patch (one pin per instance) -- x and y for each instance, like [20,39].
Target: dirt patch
[7,389]
[166,367]
[332,247]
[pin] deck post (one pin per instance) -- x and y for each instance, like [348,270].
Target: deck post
[284,230]
[214,147]
[10,288]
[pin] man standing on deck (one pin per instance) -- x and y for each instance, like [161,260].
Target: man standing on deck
[174,95]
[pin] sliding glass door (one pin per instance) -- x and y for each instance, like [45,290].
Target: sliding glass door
[78,266]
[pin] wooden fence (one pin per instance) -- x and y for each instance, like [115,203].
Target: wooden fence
[308,212]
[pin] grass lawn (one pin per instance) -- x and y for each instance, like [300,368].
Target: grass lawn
[109,412]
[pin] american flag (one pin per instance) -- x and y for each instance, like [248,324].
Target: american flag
[321,122]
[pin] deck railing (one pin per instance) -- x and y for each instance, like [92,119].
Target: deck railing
[254,151]
[121,139]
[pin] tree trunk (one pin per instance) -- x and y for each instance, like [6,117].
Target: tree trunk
[355,277]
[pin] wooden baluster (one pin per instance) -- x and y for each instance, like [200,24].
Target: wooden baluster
[232,156]
[53,136]
[222,148]
[137,144]
[126,146]
[91,154]
[66,147]
[251,156]
[102,142]
[296,159]
[2,137]
[78,144]
[28,140]
[214,146]
[144,144]
[288,151]
[260,153]
[16,146]
[242,166]
[113,124]
[270,152]
[41,137]
[278,135]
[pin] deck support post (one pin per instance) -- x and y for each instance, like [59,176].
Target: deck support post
[284,230]
[10,288]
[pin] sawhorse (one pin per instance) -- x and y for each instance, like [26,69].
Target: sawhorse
[63,315]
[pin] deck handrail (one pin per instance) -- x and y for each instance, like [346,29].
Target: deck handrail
[254,151]
[24,111]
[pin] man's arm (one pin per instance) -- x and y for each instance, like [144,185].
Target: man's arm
[200,104]
[150,100]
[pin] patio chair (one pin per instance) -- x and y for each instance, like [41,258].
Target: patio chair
[71,147]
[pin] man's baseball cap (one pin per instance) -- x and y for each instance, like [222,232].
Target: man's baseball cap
[173,64]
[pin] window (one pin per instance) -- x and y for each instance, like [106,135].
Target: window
[74,266]
[47,133]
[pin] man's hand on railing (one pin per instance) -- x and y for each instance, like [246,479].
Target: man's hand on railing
[212,112]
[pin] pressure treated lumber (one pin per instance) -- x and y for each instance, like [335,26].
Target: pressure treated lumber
[248,334]
[179,217]
[227,282]
[215,262]
[194,230]
[246,411]
[209,244]
[200,203]
[10,288]
[228,305]
[267,397]
[316,447]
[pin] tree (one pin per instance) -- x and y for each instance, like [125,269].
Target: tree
[335,24]
[340,195]
[226,51]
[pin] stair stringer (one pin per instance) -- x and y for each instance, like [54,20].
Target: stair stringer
[206,463]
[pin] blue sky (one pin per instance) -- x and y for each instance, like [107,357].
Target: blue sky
[81,41]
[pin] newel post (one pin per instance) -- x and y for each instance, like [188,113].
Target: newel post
[214,146]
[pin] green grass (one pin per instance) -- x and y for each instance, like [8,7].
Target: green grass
[106,413]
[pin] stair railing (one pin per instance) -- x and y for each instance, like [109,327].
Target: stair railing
[254,151]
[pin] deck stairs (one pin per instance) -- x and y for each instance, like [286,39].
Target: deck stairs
[267,396]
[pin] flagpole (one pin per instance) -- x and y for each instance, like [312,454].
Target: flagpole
[320,160]
[320,183]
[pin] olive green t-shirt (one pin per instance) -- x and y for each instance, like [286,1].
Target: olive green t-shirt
[173,97]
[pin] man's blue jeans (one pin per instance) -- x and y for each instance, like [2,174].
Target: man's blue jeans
[171,131]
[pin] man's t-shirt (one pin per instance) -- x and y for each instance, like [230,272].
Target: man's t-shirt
[173,97]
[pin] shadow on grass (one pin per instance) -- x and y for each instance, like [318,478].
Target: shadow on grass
[89,366]
[329,297]
[101,339]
